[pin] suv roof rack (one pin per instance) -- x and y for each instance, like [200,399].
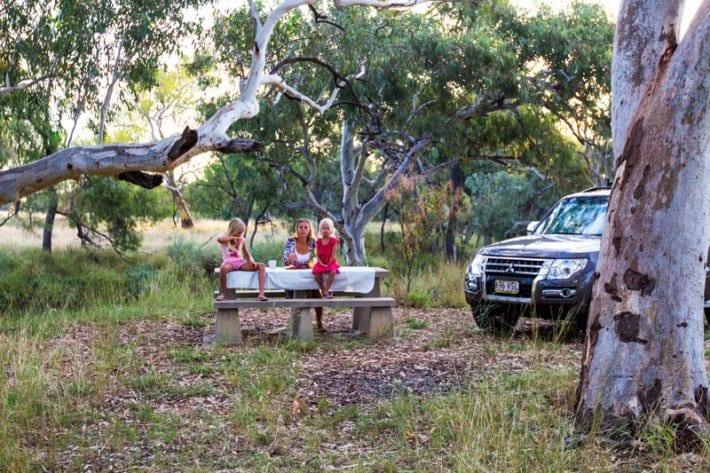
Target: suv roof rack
[598,188]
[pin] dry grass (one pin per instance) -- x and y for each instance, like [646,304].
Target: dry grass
[155,236]
[146,396]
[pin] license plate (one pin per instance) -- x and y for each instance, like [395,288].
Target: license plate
[507,287]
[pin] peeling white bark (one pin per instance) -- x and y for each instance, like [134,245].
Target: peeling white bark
[112,160]
[644,346]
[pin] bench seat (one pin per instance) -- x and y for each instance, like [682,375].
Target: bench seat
[372,316]
[336,302]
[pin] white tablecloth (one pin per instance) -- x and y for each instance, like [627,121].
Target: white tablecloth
[358,279]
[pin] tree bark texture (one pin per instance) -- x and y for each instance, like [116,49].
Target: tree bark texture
[49,220]
[356,214]
[113,160]
[643,352]
[181,207]
[457,181]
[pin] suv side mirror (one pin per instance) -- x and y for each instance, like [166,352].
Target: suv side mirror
[531,226]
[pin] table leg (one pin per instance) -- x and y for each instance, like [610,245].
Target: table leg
[381,324]
[361,315]
[227,330]
[301,324]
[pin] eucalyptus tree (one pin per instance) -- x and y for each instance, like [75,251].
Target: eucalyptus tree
[425,92]
[643,355]
[74,55]
[170,100]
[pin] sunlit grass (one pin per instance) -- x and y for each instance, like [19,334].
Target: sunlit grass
[76,388]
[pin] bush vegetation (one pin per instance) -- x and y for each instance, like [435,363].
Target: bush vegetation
[58,388]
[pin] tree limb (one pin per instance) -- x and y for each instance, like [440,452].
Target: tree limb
[320,18]
[378,200]
[167,154]
[25,84]
[11,214]
[141,179]
[386,4]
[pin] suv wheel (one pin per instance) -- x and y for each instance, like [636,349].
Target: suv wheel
[496,319]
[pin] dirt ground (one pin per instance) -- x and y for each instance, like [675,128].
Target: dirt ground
[432,352]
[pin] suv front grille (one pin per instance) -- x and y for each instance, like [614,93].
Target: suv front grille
[513,267]
[523,270]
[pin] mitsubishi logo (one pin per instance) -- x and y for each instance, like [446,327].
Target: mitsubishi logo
[510,268]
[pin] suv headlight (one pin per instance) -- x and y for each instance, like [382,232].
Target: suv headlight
[476,266]
[565,268]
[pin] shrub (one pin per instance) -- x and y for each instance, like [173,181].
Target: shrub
[140,277]
[32,280]
[417,299]
[192,261]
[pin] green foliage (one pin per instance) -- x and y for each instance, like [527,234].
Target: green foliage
[499,199]
[417,324]
[192,262]
[422,211]
[236,185]
[34,281]
[417,299]
[67,51]
[121,207]
[268,249]
[140,278]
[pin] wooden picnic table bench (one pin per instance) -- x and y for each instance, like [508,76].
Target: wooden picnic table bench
[355,287]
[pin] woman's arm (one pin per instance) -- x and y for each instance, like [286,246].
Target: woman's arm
[289,248]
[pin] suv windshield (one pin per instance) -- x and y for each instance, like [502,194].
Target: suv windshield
[576,216]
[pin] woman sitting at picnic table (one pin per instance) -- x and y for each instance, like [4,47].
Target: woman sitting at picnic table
[299,253]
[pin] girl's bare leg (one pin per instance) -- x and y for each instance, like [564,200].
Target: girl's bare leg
[328,283]
[261,268]
[223,270]
[319,280]
[262,279]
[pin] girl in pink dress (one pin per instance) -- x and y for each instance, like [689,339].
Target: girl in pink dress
[232,245]
[326,250]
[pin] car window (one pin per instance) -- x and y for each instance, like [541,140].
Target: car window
[576,216]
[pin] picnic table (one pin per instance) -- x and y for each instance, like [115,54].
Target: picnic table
[356,287]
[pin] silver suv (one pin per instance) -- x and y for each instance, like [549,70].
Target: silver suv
[550,271]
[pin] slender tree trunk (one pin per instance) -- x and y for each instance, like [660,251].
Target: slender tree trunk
[49,220]
[643,353]
[457,180]
[382,227]
[106,105]
[181,207]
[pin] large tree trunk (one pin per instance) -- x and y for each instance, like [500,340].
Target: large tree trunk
[354,246]
[643,352]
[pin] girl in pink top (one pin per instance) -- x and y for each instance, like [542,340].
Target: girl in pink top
[232,245]
[326,250]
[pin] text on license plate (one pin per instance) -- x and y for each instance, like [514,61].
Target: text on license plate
[507,287]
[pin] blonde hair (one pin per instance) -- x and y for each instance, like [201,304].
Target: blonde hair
[329,223]
[236,226]
[310,236]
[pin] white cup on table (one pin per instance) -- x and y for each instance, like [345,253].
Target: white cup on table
[272,263]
